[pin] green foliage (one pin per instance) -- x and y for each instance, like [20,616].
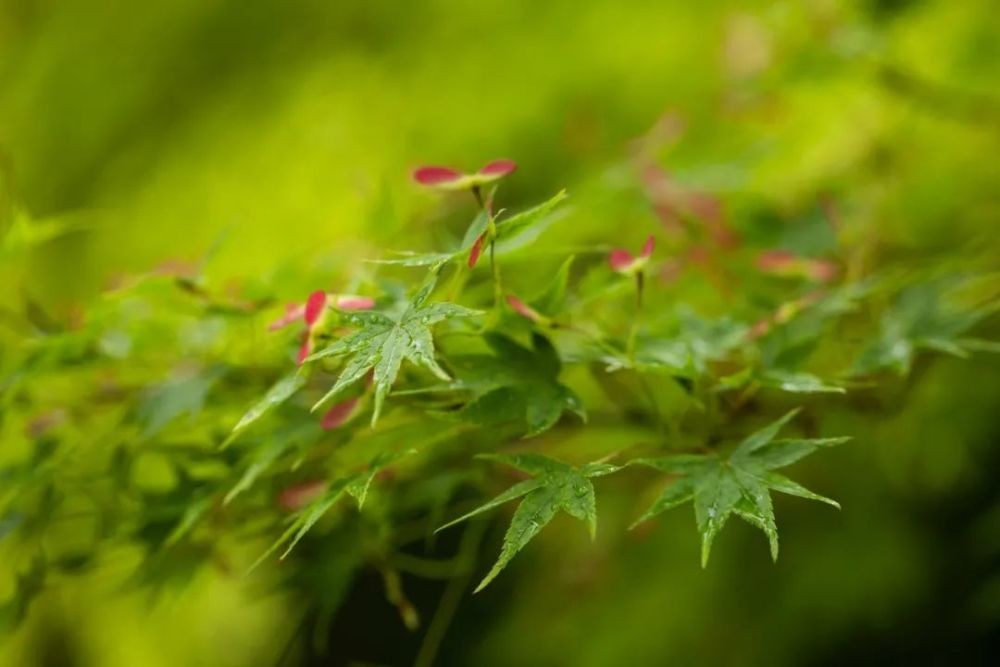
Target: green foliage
[554,486]
[145,398]
[821,184]
[515,384]
[663,365]
[276,395]
[355,485]
[382,342]
[510,228]
[738,483]
[921,317]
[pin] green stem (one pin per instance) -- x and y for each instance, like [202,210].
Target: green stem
[634,328]
[647,389]
[457,282]
[491,233]
[497,285]
[452,596]
[478,194]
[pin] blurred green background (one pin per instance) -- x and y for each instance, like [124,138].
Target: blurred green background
[282,132]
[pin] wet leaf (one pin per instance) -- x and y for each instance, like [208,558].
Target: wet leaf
[740,483]
[555,486]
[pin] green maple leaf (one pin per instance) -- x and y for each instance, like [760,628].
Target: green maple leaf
[686,349]
[279,392]
[438,259]
[510,231]
[517,383]
[262,457]
[923,317]
[521,223]
[740,483]
[175,398]
[794,382]
[383,341]
[555,486]
[355,485]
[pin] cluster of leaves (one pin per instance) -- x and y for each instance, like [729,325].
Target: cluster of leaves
[461,365]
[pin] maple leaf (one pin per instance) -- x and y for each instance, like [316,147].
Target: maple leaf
[355,485]
[740,483]
[923,317]
[473,235]
[280,392]
[519,223]
[383,341]
[483,230]
[687,350]
[554,486]
[794,382]
[516,383]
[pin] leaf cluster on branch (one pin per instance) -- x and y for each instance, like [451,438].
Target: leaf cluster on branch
[160,415]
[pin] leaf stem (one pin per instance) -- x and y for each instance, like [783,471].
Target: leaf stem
[478,194]
[636,315]
[452,596]
[491,234]
[497,285]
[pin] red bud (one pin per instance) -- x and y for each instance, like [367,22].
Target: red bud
[477,249]
[623,261]
[298,496]
[314,307]
[339,414]
[306,348]
[620,259]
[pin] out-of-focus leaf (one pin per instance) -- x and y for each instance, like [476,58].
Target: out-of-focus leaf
[432,259]
[921,318]
[280,392]
[174,398]
[553,297]
[519,222]
[355,485]
[23,233]
[28,585]
[516,384]
[264,455]
[685,351]
[798,382]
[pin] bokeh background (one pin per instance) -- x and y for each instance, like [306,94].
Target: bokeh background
[275,133]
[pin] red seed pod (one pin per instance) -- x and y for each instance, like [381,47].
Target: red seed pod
[434,176]
[447,178]
[623,261]
[477,250]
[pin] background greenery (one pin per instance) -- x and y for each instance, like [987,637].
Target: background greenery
[281,135]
